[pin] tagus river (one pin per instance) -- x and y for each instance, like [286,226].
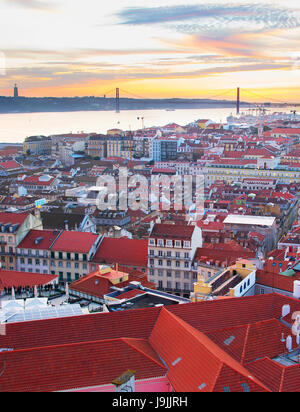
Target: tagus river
[14,128]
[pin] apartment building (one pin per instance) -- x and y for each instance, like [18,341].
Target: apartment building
[238,171]
[13,228]
[164,149]
[33,252]
[97,146]
[37,145]
[38,183]
[264,225]
[109,146]
[70,254]
[171,248]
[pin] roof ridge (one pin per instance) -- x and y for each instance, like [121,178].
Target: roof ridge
[282,379]
[64,345]
[127,341]
[226,359]
[245,343]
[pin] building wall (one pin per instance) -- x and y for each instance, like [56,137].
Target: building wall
[68,266]
[170,268]
[160,384]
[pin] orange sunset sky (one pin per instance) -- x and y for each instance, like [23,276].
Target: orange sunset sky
[152,49]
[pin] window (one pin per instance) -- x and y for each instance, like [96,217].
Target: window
[29,261]
[60,264]
[84,266]
[68,265]
[186,264]
[186,275]
[160,253]
[151,252]
[186,255]
[37,261]
[61,276]
[151,261]
[177,264]
[186,244]
[177,274]
[22,260]
[177,286]
[60,255]
[68,256]
[169,284]
[160,284]
[69,276]
[160,272]
[169,243]
[36,253]
[76,265]
[177,243]
[76,256]
[169,274]
[52,255]
[169,263]
[177,254]
[160,262]
[160,242]
[186,286]
[152,242]
[84,257]
[169,254]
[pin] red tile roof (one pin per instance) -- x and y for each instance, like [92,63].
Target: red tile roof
[130,252]
[11,278]
[276,281]
[36,180]
[130,294]
[137,323]
[69,352]
[98,285]
[13,218]
[11,165]
[77,242]
[195,363]
[166,231]
[38,239]
[53,368]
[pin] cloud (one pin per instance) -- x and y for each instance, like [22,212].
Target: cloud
[210,17]
[33,4]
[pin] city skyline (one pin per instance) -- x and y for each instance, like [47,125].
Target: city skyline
[163,50]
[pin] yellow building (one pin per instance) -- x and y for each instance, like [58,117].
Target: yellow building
[234,281]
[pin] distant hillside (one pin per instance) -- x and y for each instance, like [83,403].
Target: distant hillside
[64,104]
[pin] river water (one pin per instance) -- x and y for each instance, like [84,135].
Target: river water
[14,128]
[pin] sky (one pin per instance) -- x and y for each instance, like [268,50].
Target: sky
[151,49]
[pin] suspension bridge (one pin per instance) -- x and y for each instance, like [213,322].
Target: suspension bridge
[239,95]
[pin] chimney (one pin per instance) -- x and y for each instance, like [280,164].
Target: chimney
[296,293]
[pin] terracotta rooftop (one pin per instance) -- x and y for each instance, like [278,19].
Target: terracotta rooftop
[221,345]
[177,231]
[131,252]
[12,278]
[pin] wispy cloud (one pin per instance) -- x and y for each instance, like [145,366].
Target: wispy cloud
[45,5]
[208,17]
